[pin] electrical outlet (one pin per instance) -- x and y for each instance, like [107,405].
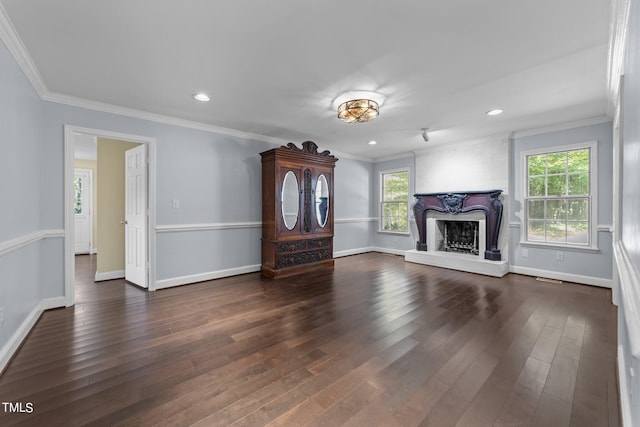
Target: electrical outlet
[525,253]
[175,204]
[1,316]
[559,256]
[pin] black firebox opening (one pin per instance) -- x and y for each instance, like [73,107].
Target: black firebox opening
[459,236]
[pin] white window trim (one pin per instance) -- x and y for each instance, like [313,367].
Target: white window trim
[593,195]
[380,194]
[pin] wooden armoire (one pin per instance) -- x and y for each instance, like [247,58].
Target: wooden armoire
[297,209]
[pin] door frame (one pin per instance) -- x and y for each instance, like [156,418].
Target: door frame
[91,213]
[69,243]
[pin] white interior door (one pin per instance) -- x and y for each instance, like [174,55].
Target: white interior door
[83,219]
[135,222]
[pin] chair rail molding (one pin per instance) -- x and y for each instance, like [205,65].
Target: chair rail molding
[177,228]
[27,239]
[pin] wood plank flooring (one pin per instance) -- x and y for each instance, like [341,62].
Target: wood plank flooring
[374,342]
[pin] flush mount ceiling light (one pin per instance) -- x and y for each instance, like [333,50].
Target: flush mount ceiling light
[358,110]
[495,112]
[202,97]
[372,142]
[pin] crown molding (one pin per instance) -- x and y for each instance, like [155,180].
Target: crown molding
[405,155]
[10,37]
[562,126]
[18,50]
[12,40]
[153,117]
[620,10]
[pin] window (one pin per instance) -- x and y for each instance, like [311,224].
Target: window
[77,194]
[394,209]
[558,200]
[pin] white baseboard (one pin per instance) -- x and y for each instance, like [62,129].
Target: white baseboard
[201,277]
[565,277]
[366,249]
[391,251]
[109,275]
[625,407]
[357,251]
[9,349]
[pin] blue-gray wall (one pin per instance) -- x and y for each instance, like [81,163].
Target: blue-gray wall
[22,245]
[628,247]
[631,140]
[216,178]
[394,242]
[578,265]
[352,216]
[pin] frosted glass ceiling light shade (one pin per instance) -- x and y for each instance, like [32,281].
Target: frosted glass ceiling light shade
[358,111]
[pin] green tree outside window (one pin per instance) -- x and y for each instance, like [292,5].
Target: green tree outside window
[395,201]
[558,197]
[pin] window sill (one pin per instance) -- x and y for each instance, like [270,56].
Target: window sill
[557,246]
[397,233]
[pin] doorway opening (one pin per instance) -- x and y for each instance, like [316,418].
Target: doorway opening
[83,208]
[142,229]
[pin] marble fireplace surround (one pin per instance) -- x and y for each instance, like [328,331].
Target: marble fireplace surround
[453,204]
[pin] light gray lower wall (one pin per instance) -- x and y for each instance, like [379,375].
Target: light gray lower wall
[185,254]
[26,263]
[52,265]
[627,281]
[20,290]
[352,236]
[575,266]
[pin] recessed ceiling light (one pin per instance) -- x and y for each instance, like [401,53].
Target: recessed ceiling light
[202,97]
[494,112]
[372,142]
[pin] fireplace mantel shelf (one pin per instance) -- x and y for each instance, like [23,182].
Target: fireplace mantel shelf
[455,203]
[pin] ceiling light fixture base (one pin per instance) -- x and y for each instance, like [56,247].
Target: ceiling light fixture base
[425,134]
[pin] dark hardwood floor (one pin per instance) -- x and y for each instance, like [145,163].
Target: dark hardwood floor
[376,341]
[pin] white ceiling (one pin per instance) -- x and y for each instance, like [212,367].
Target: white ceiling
[275,68]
